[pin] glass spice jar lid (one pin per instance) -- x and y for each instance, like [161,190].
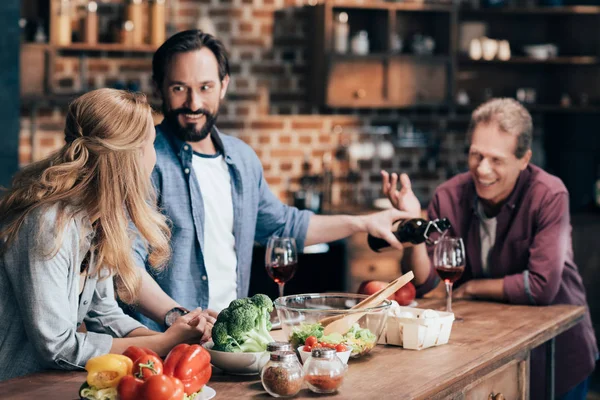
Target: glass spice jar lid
[278,346]
[323,352]
[283,356]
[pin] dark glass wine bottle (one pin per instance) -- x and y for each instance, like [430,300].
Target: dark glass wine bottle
[415,231]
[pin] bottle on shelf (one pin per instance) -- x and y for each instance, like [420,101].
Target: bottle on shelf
[135,15]
[341,31]
[60,23]
[90,29]
[414,231]
[157,22]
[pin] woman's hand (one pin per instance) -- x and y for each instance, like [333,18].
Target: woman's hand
[403,199]
[194,327]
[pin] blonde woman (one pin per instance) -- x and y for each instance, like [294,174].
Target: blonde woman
[65,234]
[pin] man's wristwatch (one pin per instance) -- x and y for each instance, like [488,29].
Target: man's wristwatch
[172,315]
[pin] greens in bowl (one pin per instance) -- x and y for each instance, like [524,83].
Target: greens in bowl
[303,316]
[360,340]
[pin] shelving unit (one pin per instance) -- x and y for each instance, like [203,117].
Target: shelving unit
[392,79]
[38,60]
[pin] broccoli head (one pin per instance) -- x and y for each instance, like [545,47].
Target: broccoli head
[244,326]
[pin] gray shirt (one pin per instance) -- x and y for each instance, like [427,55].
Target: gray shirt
[40,306]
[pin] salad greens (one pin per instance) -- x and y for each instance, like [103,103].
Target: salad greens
[360,340]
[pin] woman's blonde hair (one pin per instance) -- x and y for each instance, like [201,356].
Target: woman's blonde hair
[99,171]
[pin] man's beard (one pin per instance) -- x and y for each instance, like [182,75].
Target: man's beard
[190,132]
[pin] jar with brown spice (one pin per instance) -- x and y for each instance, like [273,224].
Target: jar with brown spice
[324,371]
[282,375]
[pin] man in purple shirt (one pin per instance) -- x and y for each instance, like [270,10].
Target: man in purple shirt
[514,220]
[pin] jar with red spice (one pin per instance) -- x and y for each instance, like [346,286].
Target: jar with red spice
[324,371]
[282,375]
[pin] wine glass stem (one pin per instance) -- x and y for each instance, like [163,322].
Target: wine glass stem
[448,296]
[281,289]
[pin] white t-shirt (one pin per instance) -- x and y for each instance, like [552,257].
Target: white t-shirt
[487,234]
[220,259]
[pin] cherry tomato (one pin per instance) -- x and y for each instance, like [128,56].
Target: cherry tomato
[150,365]
[340,348]
[311,341]
[307,348]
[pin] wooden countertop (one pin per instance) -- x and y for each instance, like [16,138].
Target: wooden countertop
[490,334]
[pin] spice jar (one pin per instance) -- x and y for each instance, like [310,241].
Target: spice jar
[279,346]
[282,375]
[324,371]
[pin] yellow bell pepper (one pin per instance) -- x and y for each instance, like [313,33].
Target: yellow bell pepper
[107,370]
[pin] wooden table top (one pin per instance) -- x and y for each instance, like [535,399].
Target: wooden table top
[490,334]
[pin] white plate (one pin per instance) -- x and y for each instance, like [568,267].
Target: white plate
[206,394]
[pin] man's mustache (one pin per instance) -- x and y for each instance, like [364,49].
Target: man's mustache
[200,111]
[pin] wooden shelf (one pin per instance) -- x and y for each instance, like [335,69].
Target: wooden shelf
[386,56]
[554,108]
[399,6]
[589,10]
[112,47]
[418,7]
[100,47]
[562,60]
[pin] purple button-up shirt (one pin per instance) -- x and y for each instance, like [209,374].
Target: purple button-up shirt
[533,254]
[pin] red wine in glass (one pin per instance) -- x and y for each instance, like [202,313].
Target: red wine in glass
[282,273]
[449,262]
[450,274]
[281,260]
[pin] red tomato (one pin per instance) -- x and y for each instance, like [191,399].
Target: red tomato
[129,387]
[162,387]
[307,348]
[340,348]
[406,294]
[371,287]
[311,341]
[147,366]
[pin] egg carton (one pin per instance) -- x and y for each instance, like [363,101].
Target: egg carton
[417,329]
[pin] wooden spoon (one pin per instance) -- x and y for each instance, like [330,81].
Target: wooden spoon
[342,323]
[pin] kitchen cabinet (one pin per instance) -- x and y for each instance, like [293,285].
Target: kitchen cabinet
[415,57]
[385,77]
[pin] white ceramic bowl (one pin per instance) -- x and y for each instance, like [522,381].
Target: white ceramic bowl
[343,355]
[237,363]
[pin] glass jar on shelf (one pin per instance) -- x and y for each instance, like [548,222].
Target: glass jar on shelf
[324,371]
[282,375]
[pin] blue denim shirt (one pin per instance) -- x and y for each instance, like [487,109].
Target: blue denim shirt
[257,214]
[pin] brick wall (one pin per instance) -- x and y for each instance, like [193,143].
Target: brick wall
[267,104]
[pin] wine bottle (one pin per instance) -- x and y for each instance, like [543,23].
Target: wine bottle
[415,231]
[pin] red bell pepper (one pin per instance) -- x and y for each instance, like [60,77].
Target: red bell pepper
[190,364]
[135,352]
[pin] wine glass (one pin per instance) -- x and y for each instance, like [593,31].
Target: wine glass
[281,260]
[449,262]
